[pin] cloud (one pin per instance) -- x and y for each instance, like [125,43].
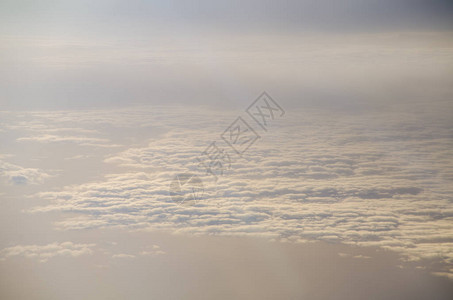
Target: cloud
[341,254]
[372,177]
[123,255]
[45,252]
[153,251]
[17,175]
[83,141]
[370,180]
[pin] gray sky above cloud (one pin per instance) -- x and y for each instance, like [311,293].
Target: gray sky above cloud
[79,54]
[250,15]
[357,69]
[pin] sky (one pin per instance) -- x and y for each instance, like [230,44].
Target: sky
[339,187]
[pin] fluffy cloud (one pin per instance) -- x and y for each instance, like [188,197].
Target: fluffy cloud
[18,175]
[152,250]
[370,178]
[46,252]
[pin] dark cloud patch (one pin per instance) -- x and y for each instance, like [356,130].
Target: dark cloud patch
[387,193]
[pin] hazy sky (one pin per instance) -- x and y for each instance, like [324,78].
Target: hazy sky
[348,195]
[72,54]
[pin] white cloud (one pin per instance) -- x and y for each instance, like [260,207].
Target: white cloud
[83,141]
[123,255]
[18,175]
[373,178]
[45,252]
[153,251]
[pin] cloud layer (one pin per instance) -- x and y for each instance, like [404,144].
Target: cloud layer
[18,175]
[374,178]
[46,252]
